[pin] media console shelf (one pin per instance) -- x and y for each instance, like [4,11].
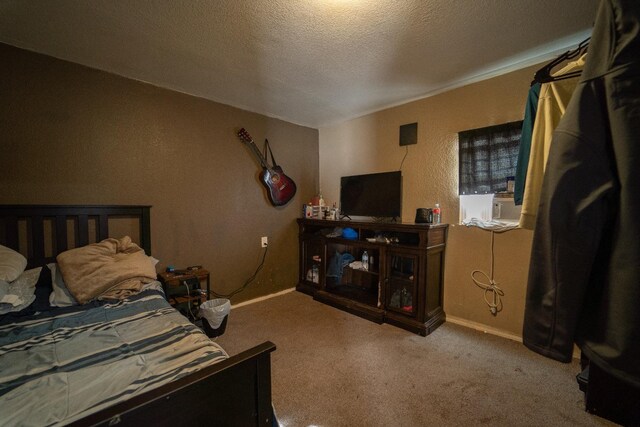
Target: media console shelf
[402,284]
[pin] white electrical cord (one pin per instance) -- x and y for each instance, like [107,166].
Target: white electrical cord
[495,305]
[189,300]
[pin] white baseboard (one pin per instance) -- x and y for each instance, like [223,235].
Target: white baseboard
[497,332]
[263,298]
[483,328]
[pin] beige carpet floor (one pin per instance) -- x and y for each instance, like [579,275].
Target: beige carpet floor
[332,368]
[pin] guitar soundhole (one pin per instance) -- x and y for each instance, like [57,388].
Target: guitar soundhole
[275,178]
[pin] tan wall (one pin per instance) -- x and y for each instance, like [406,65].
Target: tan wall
[430,175]
[74,135]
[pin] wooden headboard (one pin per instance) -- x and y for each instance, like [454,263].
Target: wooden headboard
[41,232]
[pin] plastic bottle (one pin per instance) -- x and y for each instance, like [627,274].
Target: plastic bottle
[436,214]
[365,260]
[320,199]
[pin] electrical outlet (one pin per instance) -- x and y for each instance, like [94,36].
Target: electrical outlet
[264,242]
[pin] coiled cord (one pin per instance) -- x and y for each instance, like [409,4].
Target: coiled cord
[495,304]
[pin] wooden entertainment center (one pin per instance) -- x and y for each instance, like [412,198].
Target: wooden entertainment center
[402,284]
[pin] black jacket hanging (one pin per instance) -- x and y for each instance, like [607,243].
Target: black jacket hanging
[584,277]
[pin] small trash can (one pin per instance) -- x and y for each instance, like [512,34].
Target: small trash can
[214,315]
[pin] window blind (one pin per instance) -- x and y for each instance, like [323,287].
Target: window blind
[487,156]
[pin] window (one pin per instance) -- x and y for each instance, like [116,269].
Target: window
[487,157]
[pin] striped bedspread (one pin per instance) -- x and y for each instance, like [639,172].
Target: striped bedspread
[56,369]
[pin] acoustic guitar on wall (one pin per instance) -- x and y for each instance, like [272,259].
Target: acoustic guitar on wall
[280,187]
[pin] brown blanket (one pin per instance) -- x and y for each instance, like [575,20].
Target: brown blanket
[113,268]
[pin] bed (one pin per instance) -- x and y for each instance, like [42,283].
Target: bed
[125,362]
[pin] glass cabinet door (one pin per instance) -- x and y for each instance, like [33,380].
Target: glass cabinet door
[352,272]
[313,262]
[401,280]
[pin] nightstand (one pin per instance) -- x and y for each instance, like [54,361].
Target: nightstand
[185,300]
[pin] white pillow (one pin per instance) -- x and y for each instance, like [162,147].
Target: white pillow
[60,297]
[12,264]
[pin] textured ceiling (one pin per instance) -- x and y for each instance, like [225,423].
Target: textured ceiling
[311,62]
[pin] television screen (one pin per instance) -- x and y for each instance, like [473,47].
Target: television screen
[375,195]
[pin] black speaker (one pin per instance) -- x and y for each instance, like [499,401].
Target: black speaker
[409,134]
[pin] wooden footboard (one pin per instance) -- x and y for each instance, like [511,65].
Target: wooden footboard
[234,392]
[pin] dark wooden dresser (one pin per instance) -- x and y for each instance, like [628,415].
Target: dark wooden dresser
[402,282]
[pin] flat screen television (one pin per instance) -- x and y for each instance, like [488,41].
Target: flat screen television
[374,195]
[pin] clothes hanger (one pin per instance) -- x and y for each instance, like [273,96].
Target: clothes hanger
[543,75]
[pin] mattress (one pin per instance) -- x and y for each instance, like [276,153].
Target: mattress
[61,365]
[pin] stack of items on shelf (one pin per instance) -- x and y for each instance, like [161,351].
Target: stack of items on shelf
[317,209]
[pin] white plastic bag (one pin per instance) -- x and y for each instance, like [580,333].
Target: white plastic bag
[215,310]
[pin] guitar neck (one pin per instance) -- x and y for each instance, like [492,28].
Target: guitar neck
[256,151]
